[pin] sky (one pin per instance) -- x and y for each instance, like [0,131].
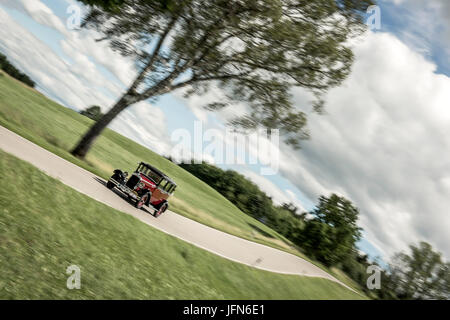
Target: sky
[383,141]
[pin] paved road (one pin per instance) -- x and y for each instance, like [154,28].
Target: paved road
[202,236]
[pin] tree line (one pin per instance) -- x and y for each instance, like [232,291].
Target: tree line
[329,233]
[10,69]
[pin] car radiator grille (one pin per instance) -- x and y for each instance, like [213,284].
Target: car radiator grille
[131,183]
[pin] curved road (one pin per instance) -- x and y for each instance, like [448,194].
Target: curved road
[202,236]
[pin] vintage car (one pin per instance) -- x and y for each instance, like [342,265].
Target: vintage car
[146,186]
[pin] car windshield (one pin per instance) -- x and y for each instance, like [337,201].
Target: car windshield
[151,174]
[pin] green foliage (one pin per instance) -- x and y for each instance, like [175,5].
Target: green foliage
[355,266]
[116,5]
[256,51]
[107,5]
[6,66]
[331,235]
[93,112]
[420,275]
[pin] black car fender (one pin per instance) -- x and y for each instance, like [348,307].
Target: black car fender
[119,176]
[118,172]
[160,204]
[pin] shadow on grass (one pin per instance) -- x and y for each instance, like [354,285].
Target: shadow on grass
[259,230]
[120,194]
[279,237]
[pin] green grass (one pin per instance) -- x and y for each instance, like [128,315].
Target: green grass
[46,226]
[57,129]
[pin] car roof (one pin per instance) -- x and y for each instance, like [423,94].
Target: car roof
[159,172]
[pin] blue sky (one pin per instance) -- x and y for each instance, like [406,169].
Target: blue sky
[410,32]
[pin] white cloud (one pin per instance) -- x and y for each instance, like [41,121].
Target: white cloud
[385,144]
[293,199]
[39,12]
[145,124]
[426,25]
[85,69]
[84,42]
[78,42]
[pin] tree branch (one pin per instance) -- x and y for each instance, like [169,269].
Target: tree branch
[149,65]
[164,85]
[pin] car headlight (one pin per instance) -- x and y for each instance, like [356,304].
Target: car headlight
[141,185]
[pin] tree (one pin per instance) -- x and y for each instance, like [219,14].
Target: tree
[93,112]
[355,266]
[290,207]
[331,235]
[254,50]
[421,275]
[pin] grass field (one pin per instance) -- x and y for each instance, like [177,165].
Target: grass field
[46,226]
[57,129]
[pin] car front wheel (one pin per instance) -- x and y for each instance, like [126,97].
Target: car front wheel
[140,203]
[109,185]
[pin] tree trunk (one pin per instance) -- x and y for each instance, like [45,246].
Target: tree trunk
[86,142]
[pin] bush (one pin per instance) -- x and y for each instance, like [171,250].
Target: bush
[93,112]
